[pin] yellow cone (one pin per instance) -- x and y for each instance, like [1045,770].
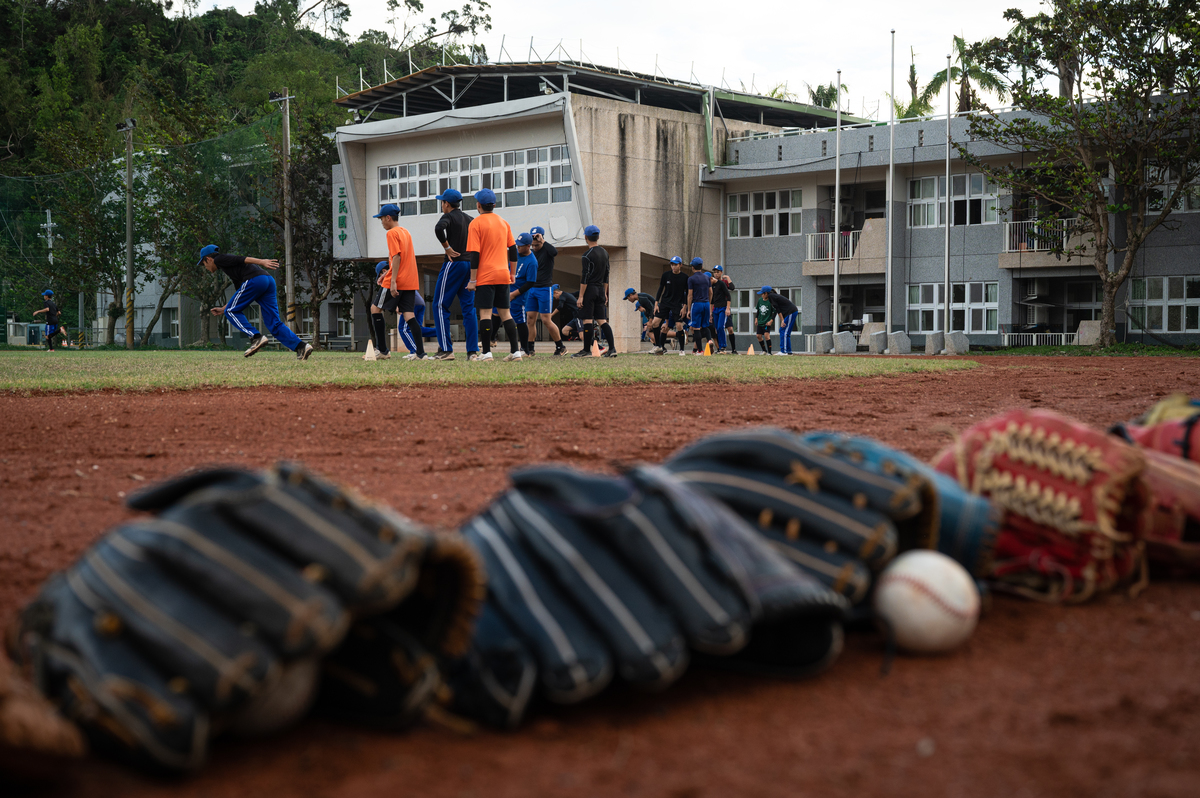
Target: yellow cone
[370,353]
[750,349]
[595,349]
[708,349]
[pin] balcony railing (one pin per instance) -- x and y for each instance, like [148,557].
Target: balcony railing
[1037,235]
[1038,339]
[820,245]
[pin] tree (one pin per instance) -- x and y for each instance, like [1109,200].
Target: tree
[968,71]
[825,96]
[1116,155]
[917,105]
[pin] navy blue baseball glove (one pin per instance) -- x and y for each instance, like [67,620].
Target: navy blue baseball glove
[243,597]
[592,576]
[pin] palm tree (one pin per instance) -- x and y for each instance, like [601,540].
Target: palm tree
[825,96]
[918,105]
[966,73]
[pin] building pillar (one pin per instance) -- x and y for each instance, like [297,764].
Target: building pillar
[624,271]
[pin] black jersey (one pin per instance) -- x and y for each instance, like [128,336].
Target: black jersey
[51,313]
[595,267]
[672,288]
[782,305]
[452,229]
[237,269]
[646,303]
[545,258]
[567,305]
[720,292]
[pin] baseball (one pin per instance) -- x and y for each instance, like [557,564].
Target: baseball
[930,601]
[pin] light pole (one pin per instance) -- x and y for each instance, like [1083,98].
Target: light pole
[126,126]
[289,272]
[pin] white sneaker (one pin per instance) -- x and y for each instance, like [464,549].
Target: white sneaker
[514,356]
[488,356]
[779,354]
[410,356]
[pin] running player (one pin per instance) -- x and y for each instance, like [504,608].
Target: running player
[593,294]
[451,231]
[644,304]
[764,316]
[51,311]
[399,283]
[493,255]
[668,307]
[527,270]
[699,287]
[786,311]
[539,300]
[722,309]
[253,284]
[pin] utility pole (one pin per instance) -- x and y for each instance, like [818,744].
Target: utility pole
[127,127]
[289,273]
[49,236]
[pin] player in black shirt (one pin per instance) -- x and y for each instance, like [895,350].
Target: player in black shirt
[566,313]
[787,311]
[672,292]
[539,297]
[644,302]
[451,231]
[252,284]
[51,311]
[593,294]
[722,310]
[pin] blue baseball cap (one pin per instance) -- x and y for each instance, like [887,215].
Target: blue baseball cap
[537,231]
[591,230]
[697,262]
[766,289]
[629,292]
[379,267]
[485,196]
[554,288]
[391,209]
[524,240]
[676,259]
[450,195]
[47,292]
[718,268]
[211,249]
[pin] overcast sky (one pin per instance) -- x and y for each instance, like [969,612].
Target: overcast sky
[760,44]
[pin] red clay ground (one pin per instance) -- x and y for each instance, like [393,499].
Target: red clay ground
[1099,700]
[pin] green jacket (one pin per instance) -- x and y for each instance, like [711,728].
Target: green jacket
[763,312]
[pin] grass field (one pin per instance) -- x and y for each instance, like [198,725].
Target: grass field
[37,371]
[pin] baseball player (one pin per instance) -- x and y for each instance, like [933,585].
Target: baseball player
[539,300]
[399,284]
[764,315]
[418,312]
[493,255]
[253,284]
[644,304]
[593,294]
[451,231]
[51,311]
[527,271]
[566,309]
[722,309]
[668,308]
[786,310]
[699,287]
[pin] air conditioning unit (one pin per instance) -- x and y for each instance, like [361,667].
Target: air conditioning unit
[1038,287]
[846,215]
[1037,314]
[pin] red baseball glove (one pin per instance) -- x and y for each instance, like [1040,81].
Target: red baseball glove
[1074,505]
[1173,534]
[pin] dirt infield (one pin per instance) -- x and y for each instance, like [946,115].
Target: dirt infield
[1099,700]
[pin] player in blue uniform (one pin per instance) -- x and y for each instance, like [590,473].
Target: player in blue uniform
[787,312]
[451,231]
[699,290]
[253,284]
[526,277]
[418,314]
[539,296]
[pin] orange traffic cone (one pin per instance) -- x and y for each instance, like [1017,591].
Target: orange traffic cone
[708,349]
[750,349]
[595,349]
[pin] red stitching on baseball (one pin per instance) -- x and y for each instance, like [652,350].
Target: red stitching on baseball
[929,592]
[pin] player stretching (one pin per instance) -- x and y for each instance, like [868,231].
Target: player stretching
[527,267]
[787,311]
[252,284]
[722,309]
[539,300]
[51,311]
[699,289]
[593,294]
[493,255]
[643,302]
[398,285]
[451,231]
[764,315]
[672,291]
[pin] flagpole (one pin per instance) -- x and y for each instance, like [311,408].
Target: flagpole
[837,208]
[949,208]
[891,197]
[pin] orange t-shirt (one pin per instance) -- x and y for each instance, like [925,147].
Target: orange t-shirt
[490,236]
[400,243]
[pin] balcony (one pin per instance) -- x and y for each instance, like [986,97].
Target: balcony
[820,245]
[1039,243]
[860,251]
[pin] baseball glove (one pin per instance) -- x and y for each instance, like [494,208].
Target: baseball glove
[35,741]
[1173,533]
[1074,505]
[591,576]
[216,615]
[821,508]
[966,524]
[1179,437]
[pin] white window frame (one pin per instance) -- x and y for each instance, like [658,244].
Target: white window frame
[975,303]
[1187,202]
[973,190]
[1168,304]
[925,194]
[344,314]
[762,214]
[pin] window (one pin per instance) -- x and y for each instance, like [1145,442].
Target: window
[546,171]
[927,202]
[1188,200]
[1165,304]
[744,302]
[345,320]
[974,307]
[170,323]
[760,214]
[973,200]
[308,325]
